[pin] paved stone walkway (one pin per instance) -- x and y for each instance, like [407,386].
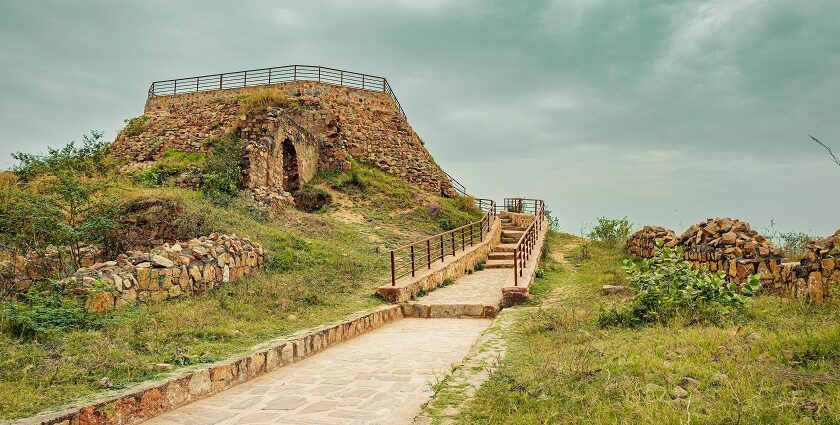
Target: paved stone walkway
[475,295]
[382,377]
[482,287]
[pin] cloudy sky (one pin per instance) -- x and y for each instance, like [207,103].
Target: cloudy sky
[667,112]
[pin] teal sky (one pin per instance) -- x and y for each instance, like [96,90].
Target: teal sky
[667,112]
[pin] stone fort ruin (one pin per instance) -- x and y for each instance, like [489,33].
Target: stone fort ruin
[292,122]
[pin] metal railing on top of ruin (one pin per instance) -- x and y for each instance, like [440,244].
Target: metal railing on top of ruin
[275,75]
[525,245]
[459,188]
[409,259]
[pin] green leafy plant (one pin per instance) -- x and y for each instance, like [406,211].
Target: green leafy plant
[666,288]
[611,231]
[134,126]
[39,314]
[89,158]
[222,172]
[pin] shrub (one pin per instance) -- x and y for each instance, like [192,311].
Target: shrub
[479,266]
[89,159]
[173,163]
[793,244]
[666,288]
[611,231]
[40,314]
[134,126]
[69,212]
[311,198]
[222,172]
[267,98]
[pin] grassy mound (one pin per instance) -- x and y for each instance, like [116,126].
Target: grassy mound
[323,266]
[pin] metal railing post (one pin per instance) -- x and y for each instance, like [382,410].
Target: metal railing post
[393,272]
[245,80]
[319,74]
[340,78]
[196,83]
[429,252]
[175,87]
[515,265]
[294,77]
[412,260]
[220,80]
[269,76]
[363,80]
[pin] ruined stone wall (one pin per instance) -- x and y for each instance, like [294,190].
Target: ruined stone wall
[186,268]
[345,123]
[643,242]
[731,246]
[265,156]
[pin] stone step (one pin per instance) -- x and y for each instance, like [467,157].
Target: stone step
[500,256]
[513,233]
[509,240]
[505,247]
[512,228]
[498,264]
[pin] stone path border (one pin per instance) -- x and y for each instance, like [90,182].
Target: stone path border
[460,385]
[151,399]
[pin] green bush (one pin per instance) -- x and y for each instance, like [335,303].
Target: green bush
[173,163]
[311,198]
[134,126]
[39,314]
[67,212]
[667,288]
[89,159]
[793,244]
[611,231]
[222,172]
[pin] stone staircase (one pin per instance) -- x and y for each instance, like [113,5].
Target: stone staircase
[502,255]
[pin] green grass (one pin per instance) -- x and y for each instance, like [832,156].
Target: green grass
[781,365]
[321,269]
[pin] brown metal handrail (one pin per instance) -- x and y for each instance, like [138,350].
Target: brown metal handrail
[275,75]
[525,246]
[408,259]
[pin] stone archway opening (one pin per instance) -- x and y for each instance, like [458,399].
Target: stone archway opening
[291,169]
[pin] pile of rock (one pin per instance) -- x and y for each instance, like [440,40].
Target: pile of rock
[643,242]
[731,246]
[820,266]
[169,271]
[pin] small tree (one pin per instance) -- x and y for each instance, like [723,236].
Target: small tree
[611,231]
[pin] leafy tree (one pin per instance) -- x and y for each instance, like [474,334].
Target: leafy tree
[611,231]
[88,160]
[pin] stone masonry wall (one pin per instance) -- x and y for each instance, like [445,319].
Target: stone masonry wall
[191,267]
[731,246]
[345,123]
[642,242]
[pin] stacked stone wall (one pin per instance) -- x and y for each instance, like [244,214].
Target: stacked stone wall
[731,246]
[345,123]
[180,269]
[643,242]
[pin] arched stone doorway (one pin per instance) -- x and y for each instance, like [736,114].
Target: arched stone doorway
[291,169]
